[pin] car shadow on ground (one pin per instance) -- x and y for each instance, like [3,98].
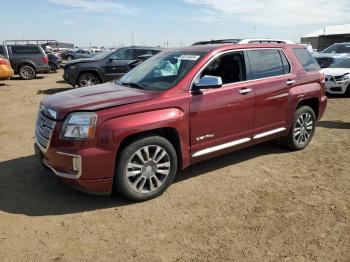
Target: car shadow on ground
[334,124]
[19,78]
[54,90]
[26,187]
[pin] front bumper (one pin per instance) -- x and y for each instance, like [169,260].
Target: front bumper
[69,77]
[80,170]
[337,87]
[42,69]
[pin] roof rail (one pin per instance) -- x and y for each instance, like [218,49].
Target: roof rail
[217,41]
[262,41]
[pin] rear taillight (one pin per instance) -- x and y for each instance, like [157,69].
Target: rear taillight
[323,83]
[45,60]
[4,62]
[322,77]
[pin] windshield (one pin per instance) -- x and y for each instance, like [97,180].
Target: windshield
[345,63]
[103,55]
[331,49]
[162,71]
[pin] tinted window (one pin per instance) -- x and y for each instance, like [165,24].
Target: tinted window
[2,52]
[32,50]
[343,49]
[123,54]
[345,63]
[230,67]
[266,63]
[141,52]
[306,59]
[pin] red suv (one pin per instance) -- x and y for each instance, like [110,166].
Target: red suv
[179,107]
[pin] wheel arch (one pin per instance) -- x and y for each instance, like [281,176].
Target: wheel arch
[312,102]
[24,63]
[169,133]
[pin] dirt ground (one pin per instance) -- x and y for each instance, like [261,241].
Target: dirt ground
[263,203]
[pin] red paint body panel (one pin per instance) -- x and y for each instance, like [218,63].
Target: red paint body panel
[223,113]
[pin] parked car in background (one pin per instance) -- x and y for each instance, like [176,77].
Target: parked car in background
[332,54]
[6,70]
[106,66]
[179,107]
[79,54]
[55,61]
[26,60]
[338,77]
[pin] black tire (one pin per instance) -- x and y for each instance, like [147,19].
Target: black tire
[302,129]
[27,72]
[146,183]
[347,91]
[88,79]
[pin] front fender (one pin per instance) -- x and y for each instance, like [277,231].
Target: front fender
[113,132]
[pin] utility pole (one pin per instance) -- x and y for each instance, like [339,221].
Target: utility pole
[254,28]
[132,38]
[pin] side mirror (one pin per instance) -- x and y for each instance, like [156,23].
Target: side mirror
[207,82]
[110,60]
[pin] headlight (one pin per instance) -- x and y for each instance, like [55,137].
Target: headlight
[80,126]
[343,77]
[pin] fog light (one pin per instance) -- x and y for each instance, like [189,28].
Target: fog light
[76,164]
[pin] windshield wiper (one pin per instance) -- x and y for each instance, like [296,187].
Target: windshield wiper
[132,84]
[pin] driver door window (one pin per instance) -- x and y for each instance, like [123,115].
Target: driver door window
[123,54]
[230,67]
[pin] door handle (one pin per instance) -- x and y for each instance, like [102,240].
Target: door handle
[244,91]
[290,82]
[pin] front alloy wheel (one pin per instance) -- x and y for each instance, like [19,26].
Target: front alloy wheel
[146,168]
[88,79]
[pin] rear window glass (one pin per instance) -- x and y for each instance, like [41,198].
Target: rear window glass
[267,63]
[306,59]
[32,50]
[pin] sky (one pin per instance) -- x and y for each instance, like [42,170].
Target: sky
[166,22]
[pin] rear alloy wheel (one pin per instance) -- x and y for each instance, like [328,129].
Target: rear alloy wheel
[27,72]
[302,130]
[88,79]
[146,168]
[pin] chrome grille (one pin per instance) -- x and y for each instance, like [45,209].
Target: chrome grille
[43,130]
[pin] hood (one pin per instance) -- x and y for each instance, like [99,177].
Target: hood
[81,60]
[335,71]
[94,98]
[329,55]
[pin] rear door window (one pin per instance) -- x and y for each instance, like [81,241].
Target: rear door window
[267,63]
[306,59]
[27,50]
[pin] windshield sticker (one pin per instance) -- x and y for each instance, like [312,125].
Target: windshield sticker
[189,57]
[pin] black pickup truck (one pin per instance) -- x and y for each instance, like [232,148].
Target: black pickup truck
[26,60]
